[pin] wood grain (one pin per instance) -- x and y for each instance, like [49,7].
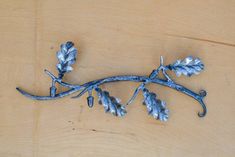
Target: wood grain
[116,37]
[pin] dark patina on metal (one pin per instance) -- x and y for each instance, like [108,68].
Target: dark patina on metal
[155,107]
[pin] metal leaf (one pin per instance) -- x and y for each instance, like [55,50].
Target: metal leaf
[155,107]
[188,67]
[111,104]
[66,57]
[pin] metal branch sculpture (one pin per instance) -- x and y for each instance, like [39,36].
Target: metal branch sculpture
[155,107]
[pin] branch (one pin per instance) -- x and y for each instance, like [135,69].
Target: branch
[133,78]
[67,56]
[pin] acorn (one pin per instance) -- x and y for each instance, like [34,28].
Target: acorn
[90,101]
[52,91]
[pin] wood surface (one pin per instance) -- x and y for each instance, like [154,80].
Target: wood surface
[116,37]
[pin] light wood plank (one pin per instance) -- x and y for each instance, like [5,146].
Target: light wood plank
[116,37]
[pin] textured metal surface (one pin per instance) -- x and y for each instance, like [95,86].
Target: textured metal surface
[188,67]
[155,107]
[111,104]
[66,57]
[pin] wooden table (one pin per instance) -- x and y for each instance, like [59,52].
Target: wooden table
[115,38]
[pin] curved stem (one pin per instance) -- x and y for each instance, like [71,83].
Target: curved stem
[92,84]
[57,96]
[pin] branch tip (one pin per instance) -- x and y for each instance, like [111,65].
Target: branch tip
[161,60]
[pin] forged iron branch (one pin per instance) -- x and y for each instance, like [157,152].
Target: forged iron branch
[155,107]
